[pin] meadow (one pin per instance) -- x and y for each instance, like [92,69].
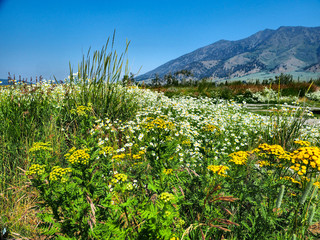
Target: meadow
[96,158]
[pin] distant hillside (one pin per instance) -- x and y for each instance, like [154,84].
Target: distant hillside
[285,50]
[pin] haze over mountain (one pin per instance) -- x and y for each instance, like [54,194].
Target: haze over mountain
[287,49]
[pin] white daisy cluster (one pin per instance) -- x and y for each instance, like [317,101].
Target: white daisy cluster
[202,125]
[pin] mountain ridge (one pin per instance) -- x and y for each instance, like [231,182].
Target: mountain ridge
[285,49]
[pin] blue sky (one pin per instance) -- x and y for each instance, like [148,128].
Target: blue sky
[41,37]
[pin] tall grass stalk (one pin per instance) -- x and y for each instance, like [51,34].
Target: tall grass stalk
[98,81]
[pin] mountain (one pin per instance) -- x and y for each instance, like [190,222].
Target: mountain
[285,50]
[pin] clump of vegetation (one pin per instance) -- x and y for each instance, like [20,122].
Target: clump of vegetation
[282,89]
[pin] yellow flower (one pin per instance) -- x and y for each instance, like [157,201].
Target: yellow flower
[59,174]
[82,110]
[159,123]
[210,128]
[264,163]
[290,179]
[79,156]
[186,142]
[106,150]
[167,171]
[166,197]
[167,213]
[36,169]
[118,157]
[239,157]
[136,156]
[306,156]
[273,150]
[302,143]
[219,169]
[119,177]
[37,146]
[317,184]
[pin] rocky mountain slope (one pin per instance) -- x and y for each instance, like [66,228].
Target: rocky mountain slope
[286,49]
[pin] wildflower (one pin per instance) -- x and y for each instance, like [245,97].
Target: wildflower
[219,169]
[106,150]
[119,177]
[36,169]
[136,156]
[272,150]
[118,157]
[305,157]
[159,123]
[186,142]
[167,213]
[82,110]
[167,171]
[129,186]
[264,163]
[140,136]
[59,174]
[239,158]
[317,184]
[79,156]
[290,179]
[166,197]
[37,146]
[210,128]
[302,143]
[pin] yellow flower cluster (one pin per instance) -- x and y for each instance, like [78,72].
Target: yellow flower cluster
[186,142]
[302,143]
[167,171]
[159,123]
[174,238]
[219,169]
[136,156]
[118,157]
[129,186]
[264,163]
[290,179]
[275,150]
[305,157]
[317,184]
[304,179]
[166,197]
[59,174]
[37,146]
[239,157]
[119,177]
[210,128]
[79,156]
[82,110]
[36,169]
[300,169]
[106,150]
